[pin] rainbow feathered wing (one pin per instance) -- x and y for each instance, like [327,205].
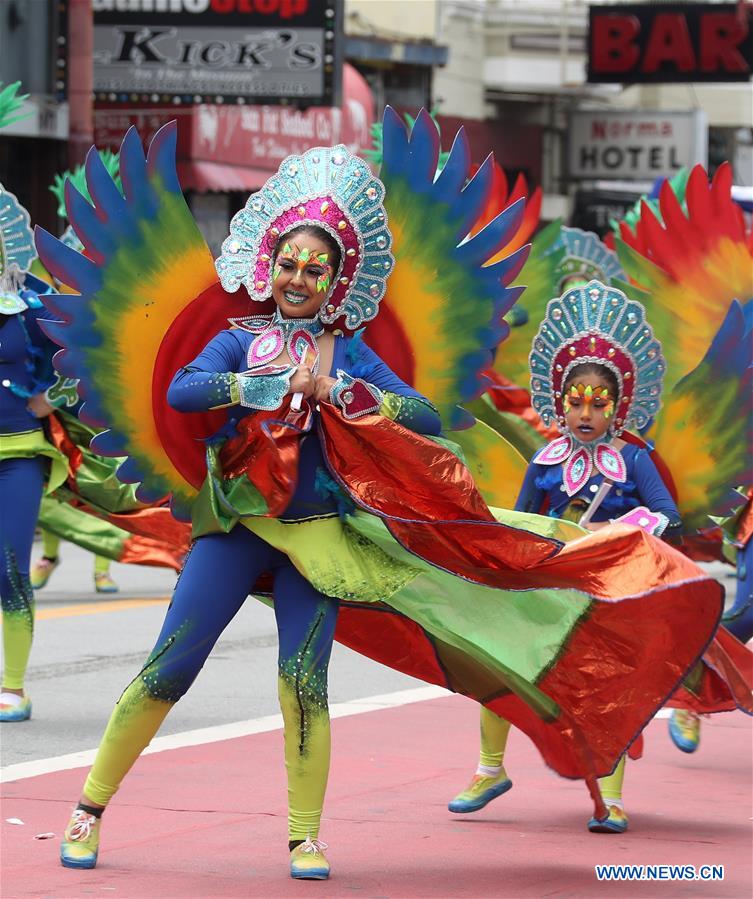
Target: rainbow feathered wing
[145,264]
[692,268]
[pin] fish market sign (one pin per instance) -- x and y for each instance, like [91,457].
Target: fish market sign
[635,145]
[217,51]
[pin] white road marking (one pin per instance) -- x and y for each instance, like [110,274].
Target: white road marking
[85,758]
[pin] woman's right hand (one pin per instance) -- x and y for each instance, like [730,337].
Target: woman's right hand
[302,382]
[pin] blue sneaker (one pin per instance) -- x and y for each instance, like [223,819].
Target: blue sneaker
[10,710]
[615,822]
[480,792]
[685,730]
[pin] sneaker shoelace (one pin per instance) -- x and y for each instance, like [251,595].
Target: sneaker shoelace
[314,847]
[82,829]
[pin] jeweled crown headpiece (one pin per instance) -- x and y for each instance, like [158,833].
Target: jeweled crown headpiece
[598,324]
[331,189]
[586,257]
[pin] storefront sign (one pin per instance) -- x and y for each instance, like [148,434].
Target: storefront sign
[670,42]
[635,145]
[215,51]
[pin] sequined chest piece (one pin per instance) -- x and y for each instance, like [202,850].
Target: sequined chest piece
[581,461]
[298,336]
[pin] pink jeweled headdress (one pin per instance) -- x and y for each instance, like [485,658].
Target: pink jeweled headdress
[336,191]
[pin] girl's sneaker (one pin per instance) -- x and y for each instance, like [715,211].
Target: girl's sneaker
[685,730]
[481,790]
[615,822]
[80,841]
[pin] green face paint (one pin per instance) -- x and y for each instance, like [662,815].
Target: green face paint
[304,256]
[276,272]
[323,282]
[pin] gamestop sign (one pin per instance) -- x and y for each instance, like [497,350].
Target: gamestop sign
[635,145]
[217,51]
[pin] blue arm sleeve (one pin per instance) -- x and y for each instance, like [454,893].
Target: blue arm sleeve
[401,403]
[208,381]
[531,497]
[653,492]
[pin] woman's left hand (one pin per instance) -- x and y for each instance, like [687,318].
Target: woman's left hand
[38,406]
[323,386]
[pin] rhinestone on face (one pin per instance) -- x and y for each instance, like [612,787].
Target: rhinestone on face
[342,225]
[374,290]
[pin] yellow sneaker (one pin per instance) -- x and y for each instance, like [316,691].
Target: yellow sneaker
[307,861]
[80,841]
[480,792]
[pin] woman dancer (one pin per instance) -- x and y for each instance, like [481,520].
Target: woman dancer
[321,515]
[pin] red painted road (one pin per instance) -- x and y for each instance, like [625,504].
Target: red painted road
[209,821]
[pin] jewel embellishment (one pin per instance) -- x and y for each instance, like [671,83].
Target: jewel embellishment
[577,471]
[266,347]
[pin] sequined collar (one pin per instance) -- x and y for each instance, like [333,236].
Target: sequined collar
[298,335]
[581,460]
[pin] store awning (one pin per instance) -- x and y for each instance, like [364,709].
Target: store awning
[202,175]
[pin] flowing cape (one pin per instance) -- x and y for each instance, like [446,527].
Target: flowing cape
[576,638]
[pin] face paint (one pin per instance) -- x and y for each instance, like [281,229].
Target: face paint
[302,258]
[589,395]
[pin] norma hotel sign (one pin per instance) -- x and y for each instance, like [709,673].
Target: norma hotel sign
[635,145]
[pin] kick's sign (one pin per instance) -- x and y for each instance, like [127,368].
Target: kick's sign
[670,42]
[217,51]
[635,145]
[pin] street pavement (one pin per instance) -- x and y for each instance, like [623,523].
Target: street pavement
[203,813]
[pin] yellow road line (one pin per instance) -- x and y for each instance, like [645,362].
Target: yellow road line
[94,608]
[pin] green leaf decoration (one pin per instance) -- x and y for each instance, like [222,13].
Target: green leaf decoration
[77,177]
